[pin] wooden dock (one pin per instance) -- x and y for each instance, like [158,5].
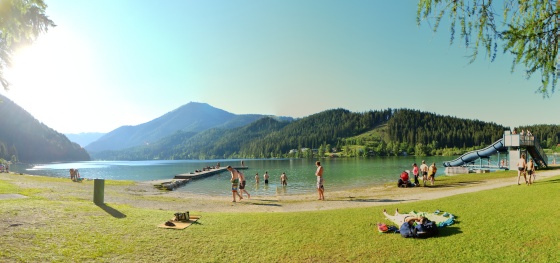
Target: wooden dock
[204,174]
[182,179]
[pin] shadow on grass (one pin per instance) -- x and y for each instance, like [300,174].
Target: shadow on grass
[114,212]
[353,199]
[553,181]
[263,204]
[454,184]
[449,231]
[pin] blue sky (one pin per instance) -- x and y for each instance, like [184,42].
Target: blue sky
[114,63]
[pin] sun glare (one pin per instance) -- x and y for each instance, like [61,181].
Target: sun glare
[45,76]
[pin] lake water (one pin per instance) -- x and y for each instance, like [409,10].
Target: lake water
[339,173]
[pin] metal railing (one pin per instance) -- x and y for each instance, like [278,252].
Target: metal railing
[531,141]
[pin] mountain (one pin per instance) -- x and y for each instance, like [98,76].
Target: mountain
[84,138]
[23,138]
[210,144]
[381,133]
[191,117]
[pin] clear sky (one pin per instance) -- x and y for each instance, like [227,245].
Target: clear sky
[112,63]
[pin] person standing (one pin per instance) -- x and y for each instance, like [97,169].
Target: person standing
[432,173]
[284,179]
[265,176]
[234,183]
[257,178]
[415,173]
[242,185]
[531,171]
[320,187]
[424,171]
[521,167]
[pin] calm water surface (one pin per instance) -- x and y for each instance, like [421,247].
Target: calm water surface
[340,173]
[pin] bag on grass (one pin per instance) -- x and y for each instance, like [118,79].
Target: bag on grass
[182,216]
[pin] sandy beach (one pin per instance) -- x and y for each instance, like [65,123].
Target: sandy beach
[145,195]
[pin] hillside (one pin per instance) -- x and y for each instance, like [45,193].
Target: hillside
[24,139]
[192,117]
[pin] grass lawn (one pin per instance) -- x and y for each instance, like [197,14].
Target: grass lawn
[509,224]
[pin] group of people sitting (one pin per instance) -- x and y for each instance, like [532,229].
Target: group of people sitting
[207,168]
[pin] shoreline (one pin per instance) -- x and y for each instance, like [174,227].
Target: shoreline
[145,195]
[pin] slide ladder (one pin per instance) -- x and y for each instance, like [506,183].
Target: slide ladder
[535,150]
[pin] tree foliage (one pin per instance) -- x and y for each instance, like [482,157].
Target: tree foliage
[21,22]
[528,29]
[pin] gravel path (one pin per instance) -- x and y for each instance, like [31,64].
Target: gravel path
[145,195]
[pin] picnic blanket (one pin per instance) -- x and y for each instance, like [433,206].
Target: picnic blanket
[179,224]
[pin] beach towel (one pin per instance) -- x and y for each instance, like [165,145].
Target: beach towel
[174,224]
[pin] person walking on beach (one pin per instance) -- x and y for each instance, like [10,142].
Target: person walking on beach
[234,183]
[432,173]
[521,167]
[415,173]
[424,171]
[531,171]
[284,179]
[320,187]
[266,177]
[242,185]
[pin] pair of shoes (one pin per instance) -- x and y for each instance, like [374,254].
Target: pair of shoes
[169,223]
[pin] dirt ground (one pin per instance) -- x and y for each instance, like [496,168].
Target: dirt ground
[145,195]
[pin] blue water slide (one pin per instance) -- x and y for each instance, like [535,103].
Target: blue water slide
[474,155]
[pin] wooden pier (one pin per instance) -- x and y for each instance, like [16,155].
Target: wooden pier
[206,173]
[182,179]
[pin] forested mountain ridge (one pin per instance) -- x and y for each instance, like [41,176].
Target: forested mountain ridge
[191,117]
[24,139]
[381,133]
[265,138]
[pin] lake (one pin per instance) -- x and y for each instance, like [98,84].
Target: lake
[339,173]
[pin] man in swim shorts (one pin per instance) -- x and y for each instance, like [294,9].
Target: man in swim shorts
[234,183]
[243,184]
[521,167]
[320,187]
[266,177]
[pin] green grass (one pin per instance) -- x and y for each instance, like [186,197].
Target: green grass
[510,224]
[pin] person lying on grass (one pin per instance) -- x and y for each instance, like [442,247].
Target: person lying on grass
[413,226]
